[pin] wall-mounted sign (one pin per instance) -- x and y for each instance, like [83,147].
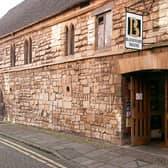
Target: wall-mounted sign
[139,96]
[134,25]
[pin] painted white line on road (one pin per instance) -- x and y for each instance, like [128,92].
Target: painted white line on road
[31,154]
[27,154]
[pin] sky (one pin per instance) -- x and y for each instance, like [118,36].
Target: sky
[6,5]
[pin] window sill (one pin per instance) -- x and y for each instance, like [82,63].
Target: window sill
[104,51]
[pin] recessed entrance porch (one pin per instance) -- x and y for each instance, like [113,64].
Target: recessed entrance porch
[145,107]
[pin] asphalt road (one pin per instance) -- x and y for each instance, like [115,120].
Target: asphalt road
[14,155]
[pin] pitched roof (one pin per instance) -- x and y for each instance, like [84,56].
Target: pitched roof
[31,11]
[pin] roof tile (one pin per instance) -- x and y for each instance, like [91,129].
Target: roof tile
[31,11]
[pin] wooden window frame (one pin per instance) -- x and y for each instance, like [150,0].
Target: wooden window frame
[104,33]
[97,25]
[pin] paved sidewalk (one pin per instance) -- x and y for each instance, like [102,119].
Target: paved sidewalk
[84,152]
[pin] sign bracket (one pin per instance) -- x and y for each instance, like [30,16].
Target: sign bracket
[144,12]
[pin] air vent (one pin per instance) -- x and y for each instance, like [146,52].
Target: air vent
[85,4]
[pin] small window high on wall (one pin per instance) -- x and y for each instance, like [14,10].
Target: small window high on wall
[28,51]
[12,55]
[72,42]
[66,40]
[104,30]
[69,40]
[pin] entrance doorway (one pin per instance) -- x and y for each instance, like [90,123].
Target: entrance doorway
[145,107]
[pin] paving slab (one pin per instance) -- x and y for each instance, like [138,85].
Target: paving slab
[84,152]
[154,166]
[96,165]
[109,166]
[135,164]
[69,153]
[98,152]
[83,148]
[122,160]
[84,161]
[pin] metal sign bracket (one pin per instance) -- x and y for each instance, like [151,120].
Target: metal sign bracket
[145,11]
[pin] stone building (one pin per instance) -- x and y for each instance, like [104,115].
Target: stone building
[64,66]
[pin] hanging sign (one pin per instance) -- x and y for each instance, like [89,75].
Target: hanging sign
[134,25]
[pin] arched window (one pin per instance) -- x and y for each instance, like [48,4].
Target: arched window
[72,39]
[12,55]
[66,40]
[69,40]
[26,52]
[30,50]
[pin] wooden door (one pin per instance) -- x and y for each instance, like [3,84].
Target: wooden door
[166,110]
[140,116]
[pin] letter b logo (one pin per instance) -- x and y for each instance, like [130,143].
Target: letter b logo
[134,27]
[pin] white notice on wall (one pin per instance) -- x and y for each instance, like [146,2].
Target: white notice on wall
[139,96]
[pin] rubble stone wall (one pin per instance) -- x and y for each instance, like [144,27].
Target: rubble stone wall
[82,97]
[81,93]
